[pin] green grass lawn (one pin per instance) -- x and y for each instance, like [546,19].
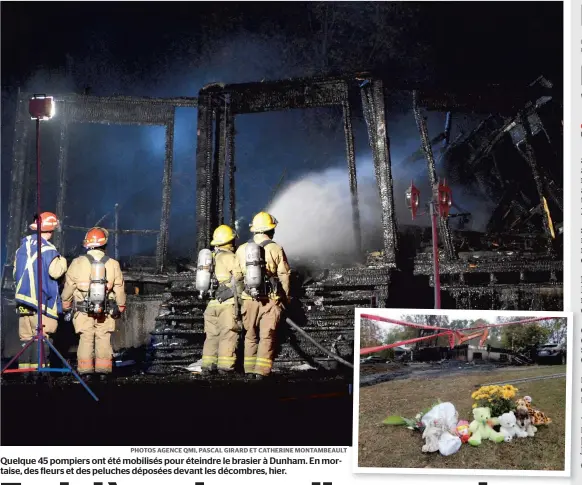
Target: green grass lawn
[383,446]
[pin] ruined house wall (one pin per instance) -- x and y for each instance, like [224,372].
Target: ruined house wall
[133,329]
[487,356]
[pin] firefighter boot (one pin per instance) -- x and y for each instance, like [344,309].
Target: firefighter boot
[209,370]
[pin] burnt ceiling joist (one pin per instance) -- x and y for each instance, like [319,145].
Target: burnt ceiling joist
[320,92]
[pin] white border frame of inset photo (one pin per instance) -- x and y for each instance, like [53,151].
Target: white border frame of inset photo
[397,313]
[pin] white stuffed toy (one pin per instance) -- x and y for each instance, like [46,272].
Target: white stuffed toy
[431,434]
[509,428]
[439,432]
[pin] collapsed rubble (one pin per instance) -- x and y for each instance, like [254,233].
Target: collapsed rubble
[324,311]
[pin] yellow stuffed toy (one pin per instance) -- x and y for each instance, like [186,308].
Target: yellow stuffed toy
[480,428]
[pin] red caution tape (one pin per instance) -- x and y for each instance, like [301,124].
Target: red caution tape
[371,350]
[440,332]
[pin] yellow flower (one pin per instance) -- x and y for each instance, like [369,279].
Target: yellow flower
[474,405]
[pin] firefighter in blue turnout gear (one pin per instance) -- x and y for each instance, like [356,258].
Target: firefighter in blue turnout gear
[25,275]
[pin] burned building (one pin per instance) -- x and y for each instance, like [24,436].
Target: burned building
[516,264]
[469,353]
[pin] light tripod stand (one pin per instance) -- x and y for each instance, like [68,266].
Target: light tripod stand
[42,108]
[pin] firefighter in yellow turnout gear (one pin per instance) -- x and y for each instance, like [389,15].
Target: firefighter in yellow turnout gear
[94,282]
[262,304]
[220,320]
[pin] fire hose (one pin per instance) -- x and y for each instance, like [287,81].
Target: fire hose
[319,346]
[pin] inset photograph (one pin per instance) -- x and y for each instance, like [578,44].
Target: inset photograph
[462,390]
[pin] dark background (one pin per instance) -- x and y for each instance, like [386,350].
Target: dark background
[173,49]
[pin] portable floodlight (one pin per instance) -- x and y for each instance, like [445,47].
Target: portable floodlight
[412,199]
[41,107]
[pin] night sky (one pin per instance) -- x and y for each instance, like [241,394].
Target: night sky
[173,49]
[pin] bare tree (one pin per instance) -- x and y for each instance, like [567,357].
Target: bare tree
[371,335]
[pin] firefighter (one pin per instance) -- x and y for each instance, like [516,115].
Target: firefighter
[94,292]
[266,277]
[25,278]
[221,322]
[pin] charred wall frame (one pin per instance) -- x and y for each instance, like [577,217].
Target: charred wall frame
[218,107]
[121,110]
[505,279]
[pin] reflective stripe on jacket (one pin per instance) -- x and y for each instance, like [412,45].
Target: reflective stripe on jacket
[225,267]
[25,276]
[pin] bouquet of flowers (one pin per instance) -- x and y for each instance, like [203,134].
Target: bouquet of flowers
[497,398]
[414,424]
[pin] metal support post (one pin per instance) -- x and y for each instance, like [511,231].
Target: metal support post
[435,254]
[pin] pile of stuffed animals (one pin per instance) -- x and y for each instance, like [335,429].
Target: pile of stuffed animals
[444,433]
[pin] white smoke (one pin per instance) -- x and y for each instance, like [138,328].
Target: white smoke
[315,212]
[315,215]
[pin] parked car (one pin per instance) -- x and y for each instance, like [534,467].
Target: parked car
[551,354]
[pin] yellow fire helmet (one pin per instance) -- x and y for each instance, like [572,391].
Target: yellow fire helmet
[263,222]
[222,235]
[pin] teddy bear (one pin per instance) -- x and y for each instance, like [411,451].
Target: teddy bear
[524,420]
[480,428]
[537,417]
[509,428]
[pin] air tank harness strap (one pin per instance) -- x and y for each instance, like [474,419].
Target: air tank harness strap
[83,307]
[223,293]
[264,244]
[91,259]
[80,306]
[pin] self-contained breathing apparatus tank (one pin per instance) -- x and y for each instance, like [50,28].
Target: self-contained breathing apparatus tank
[204,273]
[97,288]
[255,273]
